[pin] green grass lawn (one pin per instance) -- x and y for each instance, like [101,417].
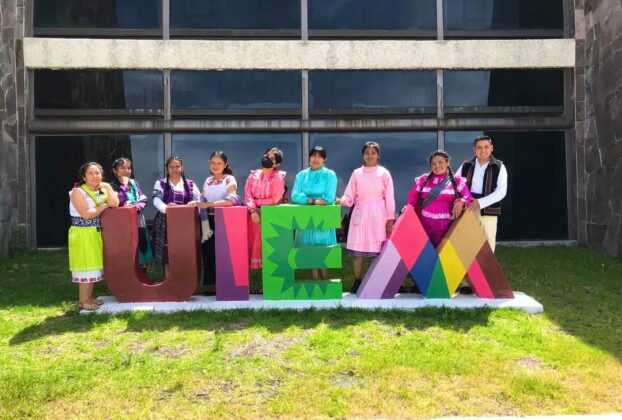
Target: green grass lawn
[337,363]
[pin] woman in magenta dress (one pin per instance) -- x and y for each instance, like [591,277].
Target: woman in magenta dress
[264,187]
[370,191]
[439,197]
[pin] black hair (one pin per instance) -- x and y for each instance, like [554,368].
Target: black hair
[183,176]
[371,144]
[82,172]
[318,150]
[118,162]
[480,138]
[446,156]
[278,154]
[221,154]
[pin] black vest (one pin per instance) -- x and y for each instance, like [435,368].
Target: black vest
[490,182]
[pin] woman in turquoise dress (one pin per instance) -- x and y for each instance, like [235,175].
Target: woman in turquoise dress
[317,186]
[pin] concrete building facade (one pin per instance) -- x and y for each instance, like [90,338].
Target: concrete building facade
[150,78]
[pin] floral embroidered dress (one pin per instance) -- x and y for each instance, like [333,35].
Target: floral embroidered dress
[261,190]
[370,191]
[436,216]
[213,190]
[131,194]
[316,184]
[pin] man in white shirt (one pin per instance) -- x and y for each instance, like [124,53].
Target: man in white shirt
[487,180]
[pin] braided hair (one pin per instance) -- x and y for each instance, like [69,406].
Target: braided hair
[452,179]
[183,176]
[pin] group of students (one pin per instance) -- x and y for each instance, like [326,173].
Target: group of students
[438,197]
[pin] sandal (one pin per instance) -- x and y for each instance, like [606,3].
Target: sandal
[88,307]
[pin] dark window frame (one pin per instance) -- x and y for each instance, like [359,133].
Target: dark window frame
[97,33]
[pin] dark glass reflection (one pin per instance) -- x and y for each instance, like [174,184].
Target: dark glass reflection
[403,90]
[236,89]
[114,89]
[503,14]
[372,14]
[58,159]
[244,152]
[235,14]
[122,14]
[403,154]
[536,204]
[504,88]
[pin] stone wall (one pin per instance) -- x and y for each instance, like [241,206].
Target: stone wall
[598,87]
[13,205]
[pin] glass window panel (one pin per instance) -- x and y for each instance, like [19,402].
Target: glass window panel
[244,153]
[122,14]
[504,88]
[503,14]
[235,14]
[236,89]
[115,89]
[58,159]
[403,154]
[536,204]
[372,14]
[404,90]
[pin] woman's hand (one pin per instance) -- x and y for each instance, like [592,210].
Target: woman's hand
[389,227]
[125,180]
[457,210]
[255,218]
[474,205]
[338,201]
[320,202]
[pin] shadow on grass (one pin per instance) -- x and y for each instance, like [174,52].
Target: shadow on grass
[579,288]
[274,321]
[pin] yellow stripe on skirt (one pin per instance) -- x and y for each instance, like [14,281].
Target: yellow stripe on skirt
[86,252]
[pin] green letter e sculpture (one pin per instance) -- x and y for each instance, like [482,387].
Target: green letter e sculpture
[280,257]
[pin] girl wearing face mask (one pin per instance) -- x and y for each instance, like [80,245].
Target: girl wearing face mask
[130,194]
[370,191]
[316,186]
[264,187]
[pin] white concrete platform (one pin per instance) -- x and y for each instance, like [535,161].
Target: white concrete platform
[405,302]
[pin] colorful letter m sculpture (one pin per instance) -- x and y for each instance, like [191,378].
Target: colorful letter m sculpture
[463,251]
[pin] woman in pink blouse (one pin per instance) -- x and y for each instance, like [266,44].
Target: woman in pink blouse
[370,191]
[439,197]
[264,187]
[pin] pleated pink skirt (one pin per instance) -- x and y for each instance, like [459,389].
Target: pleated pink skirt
[367,229]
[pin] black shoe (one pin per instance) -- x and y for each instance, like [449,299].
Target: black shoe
[355,286]
[465,290]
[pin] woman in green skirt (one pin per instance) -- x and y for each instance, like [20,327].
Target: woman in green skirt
[88,199]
